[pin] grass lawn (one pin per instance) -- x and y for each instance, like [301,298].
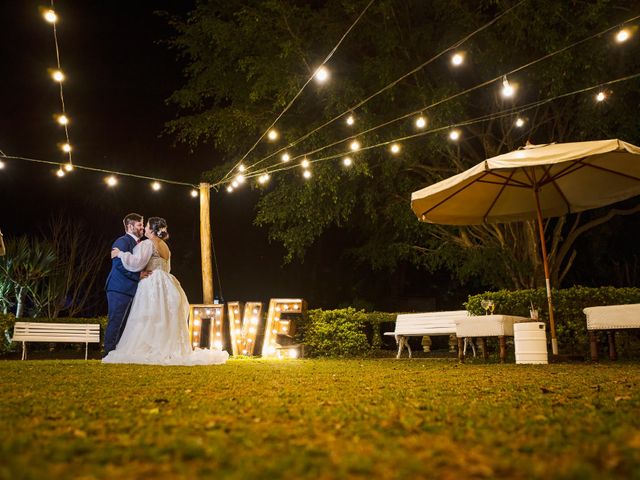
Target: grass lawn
[320,419]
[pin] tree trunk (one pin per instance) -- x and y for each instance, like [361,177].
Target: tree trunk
[20,302]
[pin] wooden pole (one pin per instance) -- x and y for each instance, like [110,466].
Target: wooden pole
[205,243]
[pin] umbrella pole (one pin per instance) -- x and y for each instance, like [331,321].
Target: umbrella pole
[545,261]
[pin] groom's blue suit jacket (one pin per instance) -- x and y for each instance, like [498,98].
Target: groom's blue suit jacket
[120,279]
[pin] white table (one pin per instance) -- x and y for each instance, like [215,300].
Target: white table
[483,326]
[610,318]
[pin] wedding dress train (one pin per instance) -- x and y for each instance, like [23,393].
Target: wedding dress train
[156,331]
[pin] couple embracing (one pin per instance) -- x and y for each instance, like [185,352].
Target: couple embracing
[148,309]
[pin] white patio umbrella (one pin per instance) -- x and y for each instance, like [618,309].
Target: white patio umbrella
[537,181]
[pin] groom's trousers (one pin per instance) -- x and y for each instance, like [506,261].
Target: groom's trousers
[119,305]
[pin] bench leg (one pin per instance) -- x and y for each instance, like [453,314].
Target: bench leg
[613,354]
[86,350]
[461,349]
[400,342]
[406,342]
[593,345]
[24,350]
[483,344]
[503,348]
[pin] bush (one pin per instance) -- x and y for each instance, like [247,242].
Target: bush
[571,324]
[7,321]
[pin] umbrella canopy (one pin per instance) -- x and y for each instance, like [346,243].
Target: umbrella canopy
[569,178]
[534,182]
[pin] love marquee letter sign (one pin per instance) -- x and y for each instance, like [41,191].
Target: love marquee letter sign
[246,331]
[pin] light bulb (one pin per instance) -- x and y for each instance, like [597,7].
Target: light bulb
[60,172]
[234,184]
[457,59]
[66,148]
[395,148]
[307,174]
[346,161]
[272,135]
[507,88]
[57,75]
[350,120]
[68,167]
[322,74]
[601,96]
[63,119]
[1,164]
[623,35]
[519,122]
[285,157]
[229,189]
[241,168]
[355,145]
[156,186]
[421,122]
[111,181]
[194,193]
[304,163]
[50,16]
[240,178]
[454,135]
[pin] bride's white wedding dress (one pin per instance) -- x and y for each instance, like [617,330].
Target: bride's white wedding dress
[156,331]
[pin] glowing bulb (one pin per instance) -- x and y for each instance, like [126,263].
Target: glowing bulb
[601,96]
[519,122]
[50,16]
[454,135]
[307,174]
[156,186]
[395,148]
[229,189]
[623,35]
[507,88]
[421,122]
[285,157]
[350,120]
[263,178]
[111,181]
[63,119]
[457,59]
[1,164]
[57,75]
[346,161]
[322,74]
[68,167]
[241,168]
[240,178]
[234,184]
[66,148]
[194,193]
[355,145]
[60,172]
[272,135]
[304,163]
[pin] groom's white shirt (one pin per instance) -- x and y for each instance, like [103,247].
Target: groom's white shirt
[138,259]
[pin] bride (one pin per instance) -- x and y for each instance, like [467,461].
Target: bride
[156,331]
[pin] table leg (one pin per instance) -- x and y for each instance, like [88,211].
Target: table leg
[503,348]
[485,353]
[593,345]
[613,355]
[461,349]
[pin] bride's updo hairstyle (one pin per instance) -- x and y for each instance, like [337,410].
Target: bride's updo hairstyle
[159,227]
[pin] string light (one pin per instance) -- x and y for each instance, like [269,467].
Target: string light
[457,59]
[355,146]
[50,16]
[68,167]
[322,74]
[350,120]
[241,168]
[66,148]
[264,178]
[307,174]
[156,186]
[194,193]
[234,184]
[454,135]
[304,163]
[229,189]
[60,172]
[623,35]
[240,179]
[421,122]
[63,119]
[507,88]
[347,161]
[395,148]
[285,157]
[519,122]
[111,181]
[57,75]
[601,96]
[273,135]
[1,164]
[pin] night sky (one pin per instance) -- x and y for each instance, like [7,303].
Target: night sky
[119,75]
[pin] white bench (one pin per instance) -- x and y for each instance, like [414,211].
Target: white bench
[56,332]
[611,318]
[424,324]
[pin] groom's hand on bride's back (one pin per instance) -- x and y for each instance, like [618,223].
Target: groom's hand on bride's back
[144,274]
[114,253]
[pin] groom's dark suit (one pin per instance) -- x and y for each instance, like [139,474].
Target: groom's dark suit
[121,288]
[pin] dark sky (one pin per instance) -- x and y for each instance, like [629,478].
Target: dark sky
[118,77]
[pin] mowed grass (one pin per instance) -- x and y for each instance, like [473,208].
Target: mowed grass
[320,419]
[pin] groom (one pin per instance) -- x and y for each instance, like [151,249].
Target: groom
[122,284]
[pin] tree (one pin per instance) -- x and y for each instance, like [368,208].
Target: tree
[246,60]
